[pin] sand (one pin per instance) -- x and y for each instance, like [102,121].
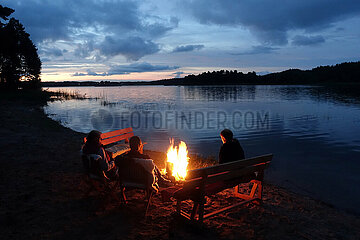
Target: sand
[42,196]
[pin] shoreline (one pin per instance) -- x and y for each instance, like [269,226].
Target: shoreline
[42,196]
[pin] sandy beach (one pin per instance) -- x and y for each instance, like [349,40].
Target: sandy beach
[42,196]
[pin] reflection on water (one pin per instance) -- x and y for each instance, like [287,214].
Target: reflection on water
[313,131]
[220,93]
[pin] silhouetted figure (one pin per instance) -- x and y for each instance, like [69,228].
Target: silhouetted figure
[231,149]
[136,152]
[19,57]
[93,145]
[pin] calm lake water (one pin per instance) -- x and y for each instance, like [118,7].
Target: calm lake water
[313,132]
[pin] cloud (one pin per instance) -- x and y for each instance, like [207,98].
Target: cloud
[139,67]
[160,27]
[133,48]
[177,74]
[56,52]
[299,40]
[84,50]
[127,69]
[89,73]
[62,19]
[270,20]
[262,73]
[257,50]
[188,48]
[120,27]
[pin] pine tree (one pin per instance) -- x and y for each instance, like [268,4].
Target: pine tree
[20,64]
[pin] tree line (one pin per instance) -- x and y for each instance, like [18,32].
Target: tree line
[348,72]
[20,65]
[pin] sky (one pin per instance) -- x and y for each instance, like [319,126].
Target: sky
[127,40]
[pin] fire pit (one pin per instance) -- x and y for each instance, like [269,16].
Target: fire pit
[176,162]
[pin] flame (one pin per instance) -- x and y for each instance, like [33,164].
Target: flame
[177,160]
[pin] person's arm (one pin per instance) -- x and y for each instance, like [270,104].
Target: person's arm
[221,155]
[105,163]
[242,154]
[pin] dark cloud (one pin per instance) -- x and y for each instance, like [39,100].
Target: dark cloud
[257,50]
[188,48]
[139,67]
[130,32]
[127,69]
[159,28]
[133,48]
[307,40]
[56,52]
[84,50]
[270,20]
[62,19]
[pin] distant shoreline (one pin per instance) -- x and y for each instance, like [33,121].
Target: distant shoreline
[344,73]
[114,84]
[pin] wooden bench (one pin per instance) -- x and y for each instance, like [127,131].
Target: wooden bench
[111,141]
[211,180]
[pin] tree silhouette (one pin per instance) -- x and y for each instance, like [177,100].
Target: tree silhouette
[5,12]
[20,64]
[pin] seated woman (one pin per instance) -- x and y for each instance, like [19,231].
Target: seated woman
[93,145]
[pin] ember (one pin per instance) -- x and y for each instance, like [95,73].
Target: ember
[177,161]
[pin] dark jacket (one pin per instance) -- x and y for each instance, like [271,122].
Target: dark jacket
[231,151]
[106,163]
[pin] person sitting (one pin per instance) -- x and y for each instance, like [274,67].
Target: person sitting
[136,154]
[93,145]
[231,149]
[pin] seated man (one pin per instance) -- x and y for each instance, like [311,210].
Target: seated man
[231,149]
[93,145]
[136,155]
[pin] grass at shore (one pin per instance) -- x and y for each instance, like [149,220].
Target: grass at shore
[39,96]
[42,194]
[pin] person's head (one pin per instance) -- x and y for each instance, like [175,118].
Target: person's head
[94,137]
[226,135]
[136,144]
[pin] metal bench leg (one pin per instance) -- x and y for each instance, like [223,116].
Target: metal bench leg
[178,206]
[122,195]
[260,190]
[148,202]
[194,210]
[201,210]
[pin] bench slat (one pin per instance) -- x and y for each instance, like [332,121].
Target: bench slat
[117,138]
[227,166]
[225,175]
[116,132]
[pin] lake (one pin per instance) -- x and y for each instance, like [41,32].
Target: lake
[313,131]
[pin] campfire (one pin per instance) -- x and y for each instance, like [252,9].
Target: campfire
[176,162]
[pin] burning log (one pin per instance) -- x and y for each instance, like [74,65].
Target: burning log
[176,162]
